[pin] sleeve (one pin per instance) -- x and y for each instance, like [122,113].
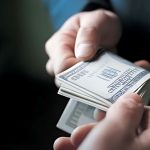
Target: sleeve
[60,11]
[96,4]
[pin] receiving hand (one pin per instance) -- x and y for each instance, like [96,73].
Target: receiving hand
[126,126]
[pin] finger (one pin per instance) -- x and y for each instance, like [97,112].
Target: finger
[88,38]
[144,140]
[126,113]
[143,63]
[99,114]
[49,67]
[57,83]
[60,49]
[96,34]
[63,143]
[145,122]
[80,133]
[144,137]
[146,118]
[121,120]
[86,43]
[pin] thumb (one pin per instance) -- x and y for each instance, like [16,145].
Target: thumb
[127,112]
[86,43]
[97,29]
[121,121]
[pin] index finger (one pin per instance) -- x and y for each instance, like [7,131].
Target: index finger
[60,49]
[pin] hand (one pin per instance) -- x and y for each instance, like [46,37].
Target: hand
[126,126]
[98,114]
[80,37]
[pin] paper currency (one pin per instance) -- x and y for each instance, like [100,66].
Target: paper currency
[100,82]
[74,115]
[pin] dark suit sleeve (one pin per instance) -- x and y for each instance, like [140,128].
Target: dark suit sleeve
[96,4]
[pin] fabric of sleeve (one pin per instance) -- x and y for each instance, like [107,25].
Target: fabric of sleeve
[96,4]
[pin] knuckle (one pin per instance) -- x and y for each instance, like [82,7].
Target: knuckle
[130,105]
[50,42]
[100,12]
[60,66]
[49,67]
[47,46]
[89,30]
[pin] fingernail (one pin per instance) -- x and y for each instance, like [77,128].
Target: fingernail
[133,97]
[84,50]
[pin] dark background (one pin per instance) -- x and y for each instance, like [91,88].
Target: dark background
[30,106]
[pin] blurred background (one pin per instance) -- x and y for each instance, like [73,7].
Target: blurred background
[30,105]
[29,101]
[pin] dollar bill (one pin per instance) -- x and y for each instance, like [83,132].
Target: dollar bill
[78,113]
[100,82]
[74,115]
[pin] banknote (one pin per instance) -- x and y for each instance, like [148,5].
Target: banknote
[78,113]
[75,114]
[100,82]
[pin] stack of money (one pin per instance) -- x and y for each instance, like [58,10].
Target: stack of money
[100,82]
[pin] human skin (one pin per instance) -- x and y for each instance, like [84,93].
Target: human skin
[80,37]
[126,126]
[83,135]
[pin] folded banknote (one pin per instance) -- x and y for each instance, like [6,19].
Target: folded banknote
[102,81]
[98,83]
